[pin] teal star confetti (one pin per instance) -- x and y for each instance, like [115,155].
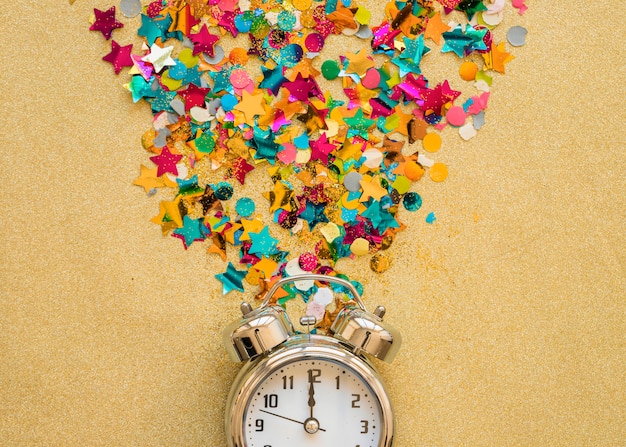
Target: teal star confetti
[464,42]
[359,125]
[149,29]
[231,279]
[192,231]
[263,243]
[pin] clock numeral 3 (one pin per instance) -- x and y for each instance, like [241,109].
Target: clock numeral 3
[364,426]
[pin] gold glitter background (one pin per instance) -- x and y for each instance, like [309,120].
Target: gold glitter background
[512,304]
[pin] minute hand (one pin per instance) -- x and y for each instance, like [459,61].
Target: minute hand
[285,417]
[311,398]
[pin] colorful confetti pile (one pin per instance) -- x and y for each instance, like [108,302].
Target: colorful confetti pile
[341,168]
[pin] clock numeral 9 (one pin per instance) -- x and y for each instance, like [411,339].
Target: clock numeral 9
[259,424]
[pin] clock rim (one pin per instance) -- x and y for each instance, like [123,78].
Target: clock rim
[301,347]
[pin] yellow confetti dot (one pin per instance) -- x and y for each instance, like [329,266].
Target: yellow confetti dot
[238,56]
[380,263]
[468,71]
[360,246]
[438,172]
[302,5]
[413,171]
[432,142]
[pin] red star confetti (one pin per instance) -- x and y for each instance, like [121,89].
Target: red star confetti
[119,56]
[105,22]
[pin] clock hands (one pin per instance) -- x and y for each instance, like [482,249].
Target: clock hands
[308,421]
[311,397]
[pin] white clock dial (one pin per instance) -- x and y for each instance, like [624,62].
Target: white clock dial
[313,402]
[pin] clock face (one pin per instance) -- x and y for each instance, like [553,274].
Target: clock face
[313,402]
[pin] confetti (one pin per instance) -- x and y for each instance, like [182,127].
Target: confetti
[517,36]
[337,172]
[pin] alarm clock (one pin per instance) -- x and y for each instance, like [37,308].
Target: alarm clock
[309,389]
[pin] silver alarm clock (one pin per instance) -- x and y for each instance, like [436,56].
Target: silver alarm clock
[309,390]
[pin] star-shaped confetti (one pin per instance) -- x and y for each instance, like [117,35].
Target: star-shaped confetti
[331,162]
[263,243]
[204,42]
[166,161]
[105,22]
[159,57]
[434,28]
[232,279]
[119,56]
[192,231]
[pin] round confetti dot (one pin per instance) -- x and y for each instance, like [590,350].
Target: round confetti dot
[352,181]
[330,70]
[223,190]
[286,20]
[493,19]
[468,70]
[380,263]
[291,55]
[373,158]
[432,142]
[302,5]
[456,116]
[517,36]
[243,22]
[240,78]
[218,55]
[314,42]
[130,8]
[238,56]
[412,201]
[308,262]
[413,171]
[245,206]
[229,102]
[438,172]
[371,79]
[360,246]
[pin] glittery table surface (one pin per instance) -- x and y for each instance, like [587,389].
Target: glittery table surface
[511,304]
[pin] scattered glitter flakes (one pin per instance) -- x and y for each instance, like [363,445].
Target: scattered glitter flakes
[341,169]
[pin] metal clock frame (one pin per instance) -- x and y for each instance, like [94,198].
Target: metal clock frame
[297,348]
